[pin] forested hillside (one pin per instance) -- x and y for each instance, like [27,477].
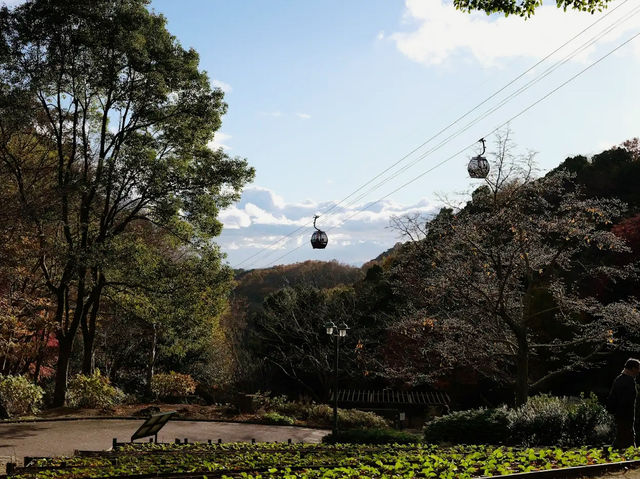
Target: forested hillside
[253,286]
[532,286]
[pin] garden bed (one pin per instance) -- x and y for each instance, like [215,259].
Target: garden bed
[311,461]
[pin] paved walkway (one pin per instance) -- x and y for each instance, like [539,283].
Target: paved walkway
[61,438]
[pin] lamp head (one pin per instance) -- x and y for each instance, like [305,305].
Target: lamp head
[342,330]
[330,327]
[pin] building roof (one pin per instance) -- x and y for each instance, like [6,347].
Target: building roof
[389,396]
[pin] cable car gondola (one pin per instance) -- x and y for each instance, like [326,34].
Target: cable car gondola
[319,238]
[478,166]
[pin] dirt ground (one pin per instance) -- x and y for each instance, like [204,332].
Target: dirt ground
[61,438]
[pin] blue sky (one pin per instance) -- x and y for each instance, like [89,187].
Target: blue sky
[325,95]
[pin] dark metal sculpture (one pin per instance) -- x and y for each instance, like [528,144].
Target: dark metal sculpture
[319,238]
[478,166]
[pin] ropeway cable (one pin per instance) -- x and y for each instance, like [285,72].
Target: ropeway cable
[453,123]
[404,185]
[335,205]
[473,122]
[503,102]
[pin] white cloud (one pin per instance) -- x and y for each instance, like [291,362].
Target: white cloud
[304,116]
[225,87]
[219,141]
[380,35]
[264,220]
[443,32]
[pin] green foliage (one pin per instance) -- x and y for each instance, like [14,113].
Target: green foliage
[543,421]
[526,8]
[317,414]
[372,436]
[275,418]
[255,285]
[265,400]
[588,422]
[550,420]
[320,461]
[93,391]
[347,418]
[19,396]
[123,116]
[474,426]
[172,385]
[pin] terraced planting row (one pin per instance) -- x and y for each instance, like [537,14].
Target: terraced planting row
[313,461]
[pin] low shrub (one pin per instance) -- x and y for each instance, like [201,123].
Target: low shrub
[265,401]
[474,426]
[543,421]
[295,409]
[354,418]
[322,414]
[172,385]
[588,423]
[275,418]
[547,420]
[372,436]
[19,396]
[93,391]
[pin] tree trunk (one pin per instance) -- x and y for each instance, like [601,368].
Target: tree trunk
[67,336]
[65,345]
[40,358]
[522,369]
[87,354]
[152,360]
[89,330]
[115,368]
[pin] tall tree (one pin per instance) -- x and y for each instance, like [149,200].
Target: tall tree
[125,117]
[499,283]
[174,297]
[526,8]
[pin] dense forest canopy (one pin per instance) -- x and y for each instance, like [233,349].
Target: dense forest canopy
[110,201]
[104,126]
[532,281]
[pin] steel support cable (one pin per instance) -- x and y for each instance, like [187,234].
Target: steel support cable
[503,102]
[442,143]
[502,125]
[456,121]
[493,95]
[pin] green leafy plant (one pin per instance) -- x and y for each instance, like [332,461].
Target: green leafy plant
[320,461]
[474,426]
[275,418]
[20,396]
[322,414]
[372,436]
[541,421]
[588,422]
[93,391]
[172,385]
[264,400]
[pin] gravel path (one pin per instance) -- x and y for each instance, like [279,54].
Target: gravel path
[61,438]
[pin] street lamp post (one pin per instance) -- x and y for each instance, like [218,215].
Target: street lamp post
[337,332]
